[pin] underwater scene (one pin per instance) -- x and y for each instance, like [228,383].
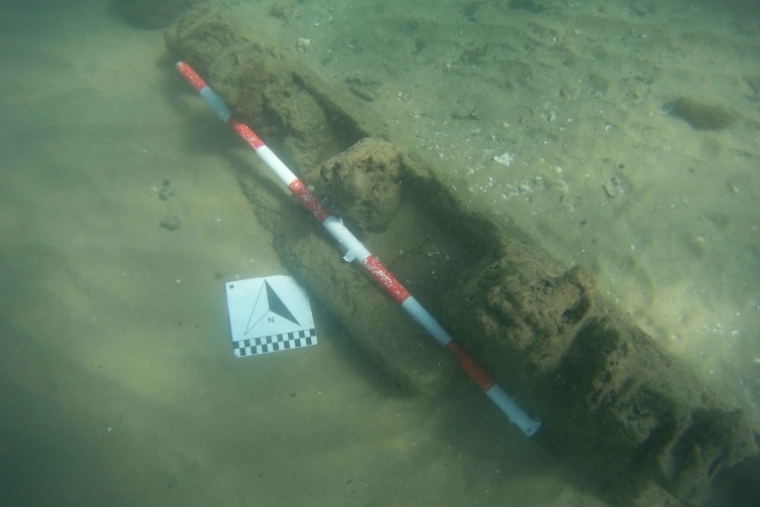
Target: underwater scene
[451,253]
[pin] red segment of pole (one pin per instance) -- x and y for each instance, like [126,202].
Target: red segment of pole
[191,76]
[245,133]
[475,372]
[309,200]
[386,279]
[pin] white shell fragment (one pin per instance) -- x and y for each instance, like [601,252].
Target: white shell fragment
[612,187]
[505,159]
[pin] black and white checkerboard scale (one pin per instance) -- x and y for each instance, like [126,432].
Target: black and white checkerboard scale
[275,343]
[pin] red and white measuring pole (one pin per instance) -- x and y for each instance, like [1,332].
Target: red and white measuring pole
[355,250]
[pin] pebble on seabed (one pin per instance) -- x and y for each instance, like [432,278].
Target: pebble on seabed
[171,222]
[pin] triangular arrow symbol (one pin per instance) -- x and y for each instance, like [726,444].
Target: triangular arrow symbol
[267,306]
[277,306]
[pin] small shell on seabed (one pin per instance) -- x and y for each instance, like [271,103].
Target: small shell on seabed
[504,159]
[612,187]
